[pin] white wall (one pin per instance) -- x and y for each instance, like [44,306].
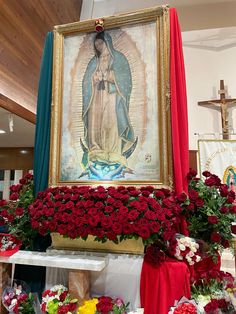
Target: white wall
[204,70]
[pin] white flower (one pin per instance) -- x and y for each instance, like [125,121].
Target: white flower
[190,254]
[198,258]
[182,247]
[58,288]
[18,291]
[13,303]
[177,252]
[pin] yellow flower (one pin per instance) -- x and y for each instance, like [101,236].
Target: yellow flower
[89,307]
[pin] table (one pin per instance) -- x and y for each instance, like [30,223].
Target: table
[120,277]
[161,286]
[77,264]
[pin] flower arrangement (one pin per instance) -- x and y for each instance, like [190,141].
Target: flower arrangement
[104,305]
[58,301]
[184,306]
[109,213]
[8,244]
[15,215]
[209,211]
[212,282]
[186,249]
[17,301]
[218,304]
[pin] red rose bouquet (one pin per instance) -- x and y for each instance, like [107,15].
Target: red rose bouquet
[58,301]
[107,305]
[209,211]
[8,244]
[184,306]
[15,215]
[109,213]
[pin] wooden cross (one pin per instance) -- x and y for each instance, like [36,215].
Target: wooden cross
[223,105]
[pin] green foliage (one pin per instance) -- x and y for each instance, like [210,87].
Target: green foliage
[15,213]
[210,211]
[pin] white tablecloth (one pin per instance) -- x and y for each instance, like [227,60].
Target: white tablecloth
[120,278]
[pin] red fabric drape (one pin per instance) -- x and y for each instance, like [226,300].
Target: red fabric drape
[179,114]
[161,286]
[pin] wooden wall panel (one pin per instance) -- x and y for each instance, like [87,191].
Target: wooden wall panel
[193,159]
[16,158]
[24,24]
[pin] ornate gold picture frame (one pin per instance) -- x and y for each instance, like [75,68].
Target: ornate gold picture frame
[111,109]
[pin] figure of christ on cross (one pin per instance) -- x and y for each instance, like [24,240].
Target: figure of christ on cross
[223,104]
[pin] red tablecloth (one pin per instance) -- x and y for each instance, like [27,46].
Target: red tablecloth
[161,286]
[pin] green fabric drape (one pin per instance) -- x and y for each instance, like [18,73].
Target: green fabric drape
[42,135]
[34,276]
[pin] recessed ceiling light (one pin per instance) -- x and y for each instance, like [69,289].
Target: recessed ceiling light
[2,131]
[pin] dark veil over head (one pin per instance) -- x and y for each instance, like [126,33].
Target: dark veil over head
[99,36]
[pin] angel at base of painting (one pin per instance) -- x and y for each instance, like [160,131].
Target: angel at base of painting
[108,134]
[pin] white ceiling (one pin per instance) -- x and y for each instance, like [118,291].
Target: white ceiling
[23,131]
[210,39]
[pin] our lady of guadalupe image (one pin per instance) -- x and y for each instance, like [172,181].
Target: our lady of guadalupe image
[109,138]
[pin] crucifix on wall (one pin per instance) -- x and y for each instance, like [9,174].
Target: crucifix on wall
[223,105]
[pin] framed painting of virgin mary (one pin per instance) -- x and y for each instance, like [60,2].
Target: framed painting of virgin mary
[110,108]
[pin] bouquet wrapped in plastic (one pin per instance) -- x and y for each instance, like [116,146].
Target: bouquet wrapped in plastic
[17,300]
[58,301]
[184,306]
[9,244]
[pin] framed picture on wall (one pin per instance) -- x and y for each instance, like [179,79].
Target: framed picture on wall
[218,157]
[110,108]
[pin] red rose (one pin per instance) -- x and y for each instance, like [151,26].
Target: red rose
[224,209]
[224,190]
[14,196]
[159,194]
[63,295]
[63,309]
[212,219]
[199,202]
[233,209]
[190,206]
[182,197]
[215,237]
[155,226]
[134,193]
[206,174]
[3,202]
[128,228]
[108,209]
[133,215]
[106,222]
[191,174]
[144,232]
[233,229]
[23,181]
[104,305]
[193,195]
[213,180]
[116,228]
[150,215]
[225,243]
[15,188]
